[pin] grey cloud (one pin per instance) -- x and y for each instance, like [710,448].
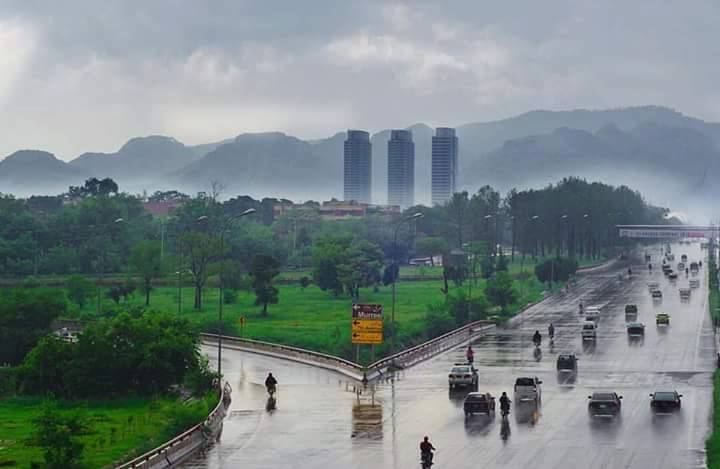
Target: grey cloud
[95,73]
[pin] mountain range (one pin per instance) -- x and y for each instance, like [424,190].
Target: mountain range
[668,156]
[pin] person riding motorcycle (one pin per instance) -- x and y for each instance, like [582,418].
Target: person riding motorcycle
[581,307]
[629,272]
[551,331]
[470,355]
[537,338]
[270,384]
[426,450]
[504,404]
[649,266]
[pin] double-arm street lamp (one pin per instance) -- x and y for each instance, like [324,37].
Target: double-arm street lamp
[396,270]
[227,223]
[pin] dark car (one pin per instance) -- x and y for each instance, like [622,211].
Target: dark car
[567,362]
[665,400]
[633,309]
[479,403]
[604,404]
[636,329]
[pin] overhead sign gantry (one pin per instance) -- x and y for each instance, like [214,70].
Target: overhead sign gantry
[669,232]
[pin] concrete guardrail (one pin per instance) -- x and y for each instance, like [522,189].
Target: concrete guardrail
[184,446]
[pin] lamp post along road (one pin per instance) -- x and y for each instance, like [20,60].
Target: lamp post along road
[101,268]
[227,224]
[396,272]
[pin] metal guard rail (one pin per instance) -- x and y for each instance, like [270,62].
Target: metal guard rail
[161,454]
[430,345]
[287,348]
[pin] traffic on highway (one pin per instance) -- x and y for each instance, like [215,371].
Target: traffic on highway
[635,392]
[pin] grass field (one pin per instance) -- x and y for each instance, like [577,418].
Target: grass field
[311,318]
[118,428]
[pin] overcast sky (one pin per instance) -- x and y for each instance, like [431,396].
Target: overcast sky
[86,75]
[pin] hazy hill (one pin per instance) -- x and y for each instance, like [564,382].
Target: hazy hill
[661,151]
[141,160]
[669,165]
[28,172]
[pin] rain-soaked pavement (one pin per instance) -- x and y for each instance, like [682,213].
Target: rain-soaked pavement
[317,423]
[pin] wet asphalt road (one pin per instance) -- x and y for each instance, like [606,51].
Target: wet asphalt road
[315,425]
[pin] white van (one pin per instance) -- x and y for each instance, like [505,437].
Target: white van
[589,330]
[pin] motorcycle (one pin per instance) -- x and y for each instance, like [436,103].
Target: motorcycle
[426,460]
[271,390]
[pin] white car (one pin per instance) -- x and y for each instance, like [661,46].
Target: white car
[653,286]
[592,313]
[685,293]
[462,374]
[694,283]
[589,330]
[527,388]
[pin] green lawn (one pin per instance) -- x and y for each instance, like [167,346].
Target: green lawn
[118,428]
[312,318]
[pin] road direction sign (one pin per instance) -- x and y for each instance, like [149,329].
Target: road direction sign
[359,325]
[367,324]
[367,337]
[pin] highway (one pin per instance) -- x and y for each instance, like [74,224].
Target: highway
[313,425]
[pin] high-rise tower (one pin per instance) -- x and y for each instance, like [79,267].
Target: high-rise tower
[357,167]
[401,169]
[444,165]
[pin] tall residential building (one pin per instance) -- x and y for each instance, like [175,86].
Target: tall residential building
[401,169]
[357,167]
[444,165]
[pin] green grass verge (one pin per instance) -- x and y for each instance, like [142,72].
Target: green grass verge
[118,428]
[712,445]
[312,318]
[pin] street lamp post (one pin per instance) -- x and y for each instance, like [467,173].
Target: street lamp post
[396,271]
[101,266]
[226,225]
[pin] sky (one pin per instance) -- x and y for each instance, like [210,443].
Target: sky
[87,75]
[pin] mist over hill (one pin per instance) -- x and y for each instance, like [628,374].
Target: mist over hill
[670,157]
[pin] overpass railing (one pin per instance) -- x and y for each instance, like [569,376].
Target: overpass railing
[184,446]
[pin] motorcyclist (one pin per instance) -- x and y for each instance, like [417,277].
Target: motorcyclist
[504,404]
[426,450]
[629,272]
[581,307]
[551,331]
[649,266]
[270,384]
[470,355]
[537,338]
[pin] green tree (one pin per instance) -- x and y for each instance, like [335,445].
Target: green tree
[25,316]
[430,246]
[328,253]
[263,270]
[147,263]
[360,267]
[499,290]
[487,267]
[502,263]
[200,250]
[78,289]
[59,437]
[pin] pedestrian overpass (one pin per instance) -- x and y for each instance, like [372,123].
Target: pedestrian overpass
[668,232]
